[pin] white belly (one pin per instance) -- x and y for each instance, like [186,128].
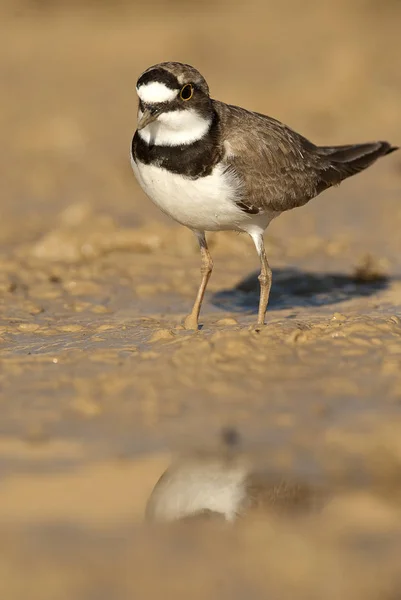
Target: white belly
[205,204]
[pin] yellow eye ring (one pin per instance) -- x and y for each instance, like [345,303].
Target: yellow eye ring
[187,92]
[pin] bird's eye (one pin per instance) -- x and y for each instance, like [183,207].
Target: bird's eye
[187,92]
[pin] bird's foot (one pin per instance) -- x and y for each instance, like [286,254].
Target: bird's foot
[257,328]
[191,322]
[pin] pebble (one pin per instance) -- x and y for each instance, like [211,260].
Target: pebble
[162,335]
[28,326]
[227,321]
[338,317]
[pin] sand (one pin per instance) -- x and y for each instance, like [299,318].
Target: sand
[100,384]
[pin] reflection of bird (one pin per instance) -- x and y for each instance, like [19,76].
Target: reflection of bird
[212,166]
[224,484]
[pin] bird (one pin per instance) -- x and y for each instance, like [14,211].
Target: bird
[226,483]
[212,166]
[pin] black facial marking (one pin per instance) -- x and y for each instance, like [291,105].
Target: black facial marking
[192,160]
[161,76]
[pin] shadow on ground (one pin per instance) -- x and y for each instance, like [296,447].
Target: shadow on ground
[294,288]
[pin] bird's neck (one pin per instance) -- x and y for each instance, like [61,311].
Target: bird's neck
[177,128]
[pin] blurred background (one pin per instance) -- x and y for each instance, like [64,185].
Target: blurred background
[98,381]
[68,72]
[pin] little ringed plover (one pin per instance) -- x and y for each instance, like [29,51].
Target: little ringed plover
[212,166]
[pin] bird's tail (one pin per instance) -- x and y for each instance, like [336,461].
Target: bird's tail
[344,161]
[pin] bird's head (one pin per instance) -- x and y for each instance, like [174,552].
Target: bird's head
[174,105]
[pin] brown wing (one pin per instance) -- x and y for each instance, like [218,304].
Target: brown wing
[279,168]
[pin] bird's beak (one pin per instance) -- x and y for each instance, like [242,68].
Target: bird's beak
[148,116]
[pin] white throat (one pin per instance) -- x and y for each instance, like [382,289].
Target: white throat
[175,128]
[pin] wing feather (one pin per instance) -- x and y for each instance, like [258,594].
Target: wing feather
[279,168]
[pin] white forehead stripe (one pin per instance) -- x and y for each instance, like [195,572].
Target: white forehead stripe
[156,92]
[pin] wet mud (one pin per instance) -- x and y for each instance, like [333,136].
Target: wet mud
[102,391]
